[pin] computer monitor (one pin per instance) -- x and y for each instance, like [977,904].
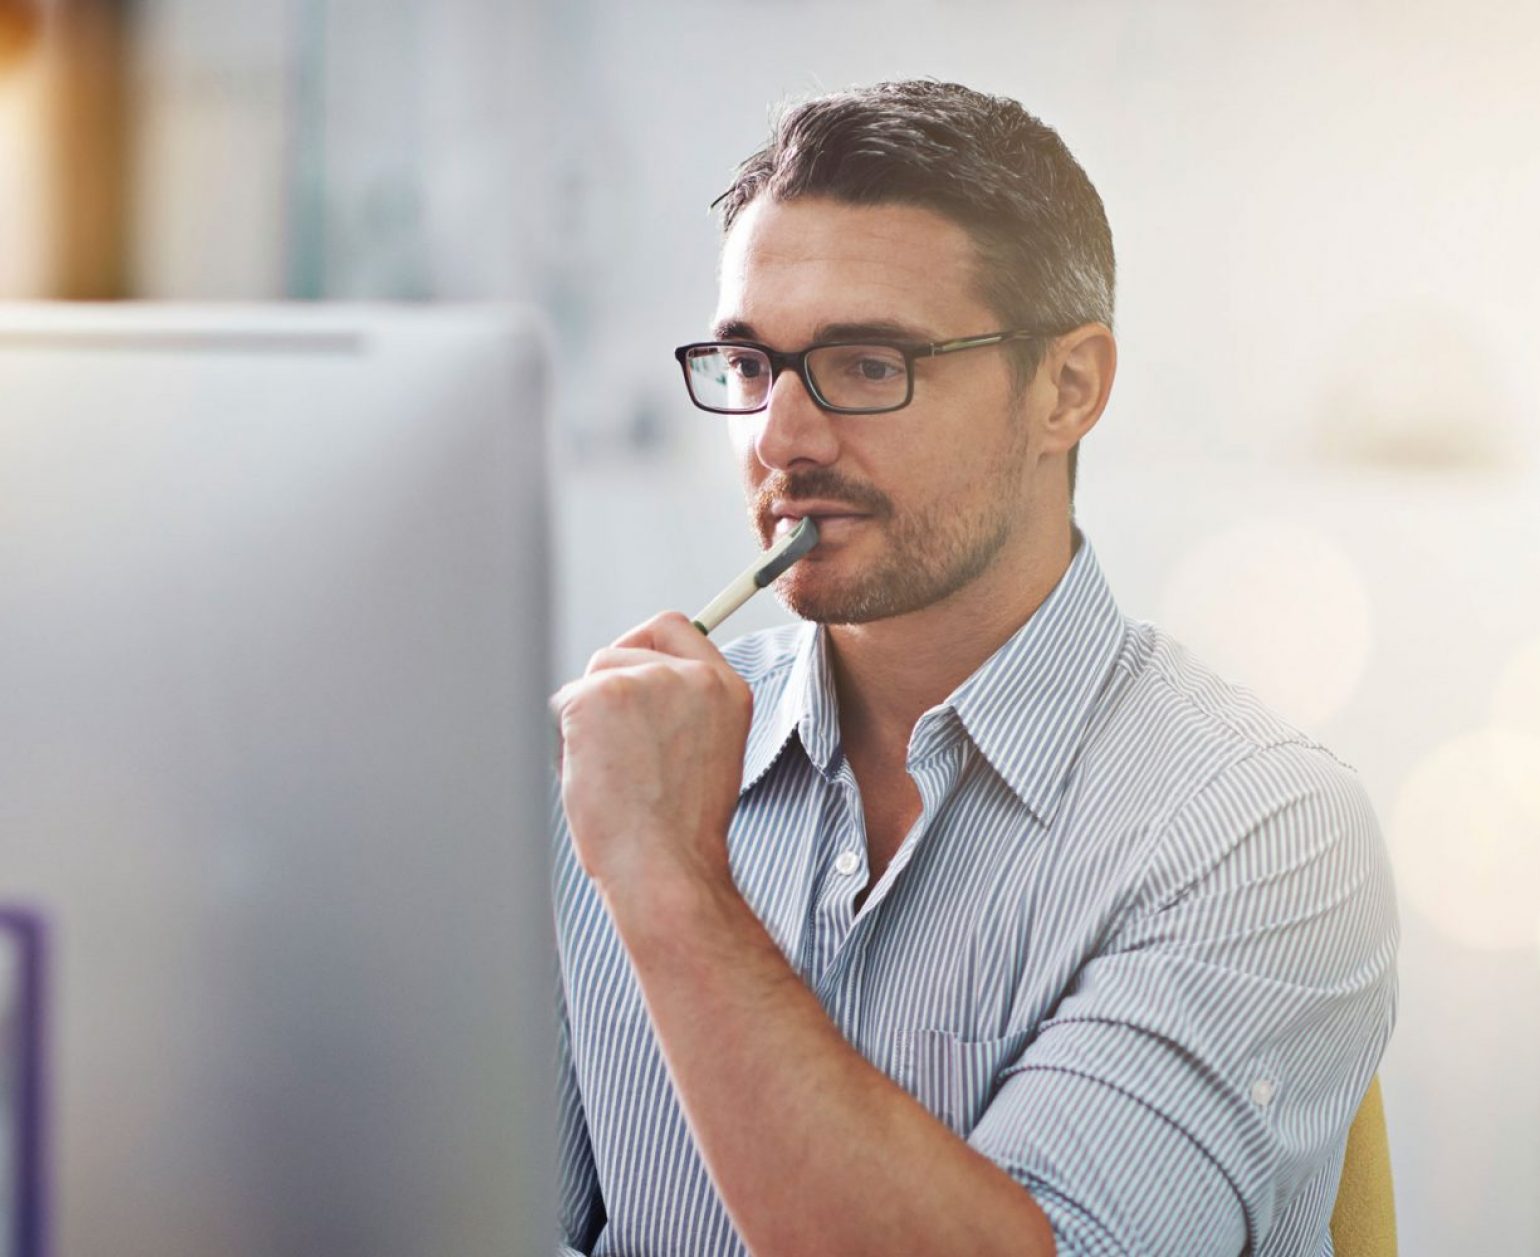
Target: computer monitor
[273,643]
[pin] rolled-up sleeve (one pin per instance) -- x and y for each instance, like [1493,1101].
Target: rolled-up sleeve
[1206,1064]
[582,1207]
[582,1212]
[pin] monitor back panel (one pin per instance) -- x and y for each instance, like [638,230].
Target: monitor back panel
[273,642]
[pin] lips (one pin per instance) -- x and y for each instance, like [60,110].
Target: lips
[827,524]
[787,515]
[817,510]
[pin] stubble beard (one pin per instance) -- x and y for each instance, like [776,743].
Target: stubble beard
[928,555]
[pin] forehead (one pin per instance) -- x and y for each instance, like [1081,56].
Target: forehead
[791,267]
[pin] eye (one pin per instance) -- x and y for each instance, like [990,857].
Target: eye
[877,370]
[746,366]
[862,365]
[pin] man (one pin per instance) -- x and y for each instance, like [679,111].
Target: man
[970,916]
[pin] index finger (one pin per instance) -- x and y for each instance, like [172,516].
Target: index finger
[672,633]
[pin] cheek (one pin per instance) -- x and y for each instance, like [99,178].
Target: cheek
[950,485]
[934,472]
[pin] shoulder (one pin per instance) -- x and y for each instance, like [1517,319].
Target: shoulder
[1189,729]
[1232,774]
[1166,678]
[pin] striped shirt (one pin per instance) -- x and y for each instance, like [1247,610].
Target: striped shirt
[1138,949]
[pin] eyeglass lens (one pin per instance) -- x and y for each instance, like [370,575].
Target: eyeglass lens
[853,377]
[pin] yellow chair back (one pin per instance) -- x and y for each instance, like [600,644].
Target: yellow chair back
[1363,1221]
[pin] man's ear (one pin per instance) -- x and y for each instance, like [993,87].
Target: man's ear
[1079,366]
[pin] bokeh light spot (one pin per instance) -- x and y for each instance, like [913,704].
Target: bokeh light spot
[1466,855]
[1516,711]
[1278,606]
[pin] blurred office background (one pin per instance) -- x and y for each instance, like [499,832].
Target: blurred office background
[1328,312]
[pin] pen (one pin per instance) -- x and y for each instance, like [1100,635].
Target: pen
[793,546]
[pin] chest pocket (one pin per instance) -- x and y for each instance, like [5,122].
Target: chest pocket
[956,1078]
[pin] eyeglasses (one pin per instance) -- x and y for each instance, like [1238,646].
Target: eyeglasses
[868,377]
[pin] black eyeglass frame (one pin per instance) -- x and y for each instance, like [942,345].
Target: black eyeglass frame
[910,350]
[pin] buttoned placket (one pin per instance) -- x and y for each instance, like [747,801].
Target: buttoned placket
[935,765]
[827,916]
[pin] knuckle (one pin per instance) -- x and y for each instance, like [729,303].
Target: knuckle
[617,688]
[699,677]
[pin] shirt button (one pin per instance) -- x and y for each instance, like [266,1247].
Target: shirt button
[847,862]
[1262,1092]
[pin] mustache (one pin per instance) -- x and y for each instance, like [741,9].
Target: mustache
[819,482]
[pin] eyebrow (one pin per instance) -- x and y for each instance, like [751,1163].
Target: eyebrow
[880,329]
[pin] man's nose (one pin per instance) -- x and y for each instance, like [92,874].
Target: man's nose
[793,428]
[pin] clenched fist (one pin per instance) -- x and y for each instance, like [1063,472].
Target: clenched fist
[652,757]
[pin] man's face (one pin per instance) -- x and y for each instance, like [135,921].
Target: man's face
[913,505]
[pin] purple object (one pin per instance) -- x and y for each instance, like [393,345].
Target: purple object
[21,1019]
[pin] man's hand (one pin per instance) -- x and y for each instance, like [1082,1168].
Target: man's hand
[653,736]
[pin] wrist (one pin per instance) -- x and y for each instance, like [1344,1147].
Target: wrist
[668,903]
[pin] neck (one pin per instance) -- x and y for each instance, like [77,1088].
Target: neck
[889,672]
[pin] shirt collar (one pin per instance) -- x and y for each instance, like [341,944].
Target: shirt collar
[1025,708]
[806,705]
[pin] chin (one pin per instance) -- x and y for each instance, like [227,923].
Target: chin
[833,602]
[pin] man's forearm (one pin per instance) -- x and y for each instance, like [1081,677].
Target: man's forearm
[812,1149]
